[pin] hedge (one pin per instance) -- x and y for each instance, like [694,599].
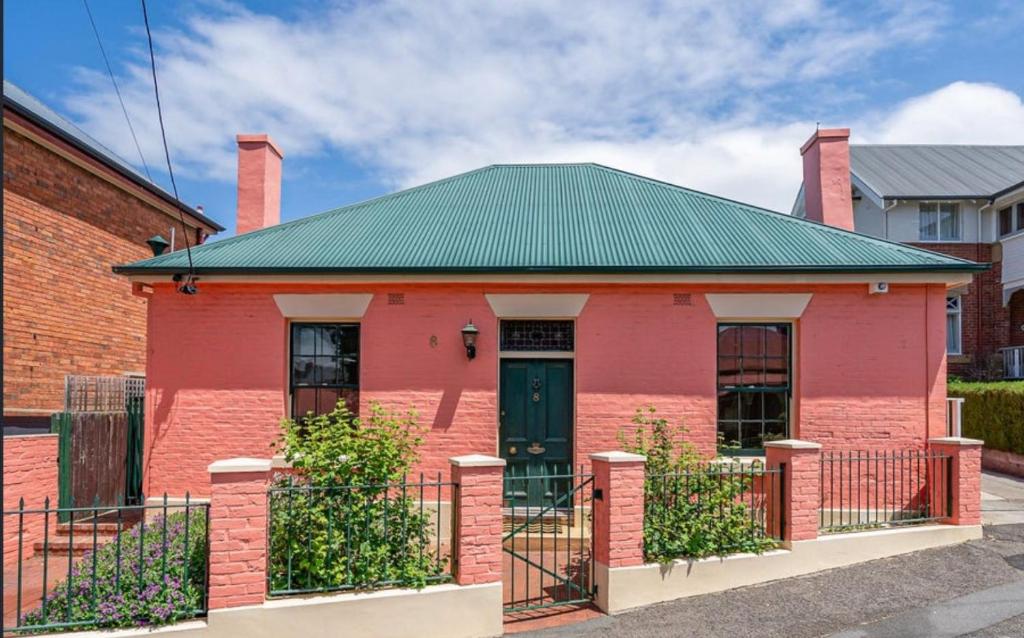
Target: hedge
[993,412]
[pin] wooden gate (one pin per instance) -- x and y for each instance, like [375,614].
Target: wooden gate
[100,442]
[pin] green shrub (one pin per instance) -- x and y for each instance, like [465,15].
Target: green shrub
[692,508]
[993,412]
[118,597]
[345,522]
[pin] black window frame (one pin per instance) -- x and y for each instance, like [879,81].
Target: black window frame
[1005,215]
[341,389]
[785,390]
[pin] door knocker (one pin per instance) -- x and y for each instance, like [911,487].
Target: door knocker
[536,383]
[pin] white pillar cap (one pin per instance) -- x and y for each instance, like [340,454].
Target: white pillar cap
[616,456]
[476,460]
[793,444]
[956,440]
[239,465]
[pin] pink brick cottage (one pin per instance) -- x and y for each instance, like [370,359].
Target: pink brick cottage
[593,292]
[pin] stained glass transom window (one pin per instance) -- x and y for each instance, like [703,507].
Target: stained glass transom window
[532,335]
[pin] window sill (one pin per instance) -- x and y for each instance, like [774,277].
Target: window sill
[958,358]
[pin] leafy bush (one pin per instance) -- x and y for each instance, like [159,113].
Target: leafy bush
[119,597]
[692,508]
[993,412]
[347,520]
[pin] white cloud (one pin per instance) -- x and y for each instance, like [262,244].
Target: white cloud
[960,113]
[685,91]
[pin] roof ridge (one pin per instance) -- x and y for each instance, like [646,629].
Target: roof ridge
[786,216]
[940,145]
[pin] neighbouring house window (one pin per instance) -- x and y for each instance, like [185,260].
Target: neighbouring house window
[753,384]
[1020,216]
[940,221]
[324,367]
[528,335]
[1006,220]
[953,325]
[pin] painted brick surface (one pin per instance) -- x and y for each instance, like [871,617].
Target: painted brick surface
[216,384]
[871,368]
[65,312]
[801,496]
[966,481]
[30,472]
[619,514]
[218,375]
[478,532]
[238,539]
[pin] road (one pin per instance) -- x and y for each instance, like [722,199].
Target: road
[975,589]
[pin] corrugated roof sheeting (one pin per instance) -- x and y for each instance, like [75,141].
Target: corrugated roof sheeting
[536,218]
[936,170]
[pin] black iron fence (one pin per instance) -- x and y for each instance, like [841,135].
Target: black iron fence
[713,509]
[360,536]
[126,566]
[868,490]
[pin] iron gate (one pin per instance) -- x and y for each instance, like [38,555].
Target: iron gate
[548,553]
[100,442]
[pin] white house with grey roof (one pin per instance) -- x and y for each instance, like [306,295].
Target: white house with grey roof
[961,200]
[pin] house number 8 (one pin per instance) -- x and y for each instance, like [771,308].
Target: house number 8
[536,396]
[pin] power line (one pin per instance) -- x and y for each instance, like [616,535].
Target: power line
[188,287]
[116,89]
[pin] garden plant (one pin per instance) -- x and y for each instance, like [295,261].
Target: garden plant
[349,517]
[694,508]
[146,577]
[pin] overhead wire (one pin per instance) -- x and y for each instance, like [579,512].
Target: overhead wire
[117,90]
[187,287]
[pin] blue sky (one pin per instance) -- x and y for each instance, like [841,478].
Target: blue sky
[369,97]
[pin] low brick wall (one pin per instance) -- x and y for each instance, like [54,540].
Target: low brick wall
[30,472]
[1003,462]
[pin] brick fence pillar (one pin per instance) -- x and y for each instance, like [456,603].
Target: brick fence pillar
[477,554]
[618,508]
[964,478]
[801,494]
[238,532]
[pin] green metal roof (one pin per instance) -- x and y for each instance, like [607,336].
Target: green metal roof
[567,218]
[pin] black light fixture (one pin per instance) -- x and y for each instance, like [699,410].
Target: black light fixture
[469,335]
[158,245]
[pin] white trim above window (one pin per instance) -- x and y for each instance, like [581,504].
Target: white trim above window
[341,306]
[954,325]
[758,306]
[537,306]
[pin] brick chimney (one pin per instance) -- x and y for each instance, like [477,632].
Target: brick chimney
[259,183]
[827,195]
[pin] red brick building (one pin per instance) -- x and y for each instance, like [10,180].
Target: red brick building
[71,211]
[963,201]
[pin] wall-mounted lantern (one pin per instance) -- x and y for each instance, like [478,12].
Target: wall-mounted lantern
[469,335]
[158,245]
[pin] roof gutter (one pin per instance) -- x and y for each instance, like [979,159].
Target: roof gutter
[965,267]
[85,149]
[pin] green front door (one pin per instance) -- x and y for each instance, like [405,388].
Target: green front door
[536,416]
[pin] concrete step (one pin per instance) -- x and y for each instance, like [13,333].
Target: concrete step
[84,530]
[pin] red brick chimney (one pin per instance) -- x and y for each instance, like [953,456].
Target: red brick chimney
[259,183]
[827,195]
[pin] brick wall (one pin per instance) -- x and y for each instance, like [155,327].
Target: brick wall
[30,472]
[65,312]
[986,324]
[218,376]
[238,536]
[871,371]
